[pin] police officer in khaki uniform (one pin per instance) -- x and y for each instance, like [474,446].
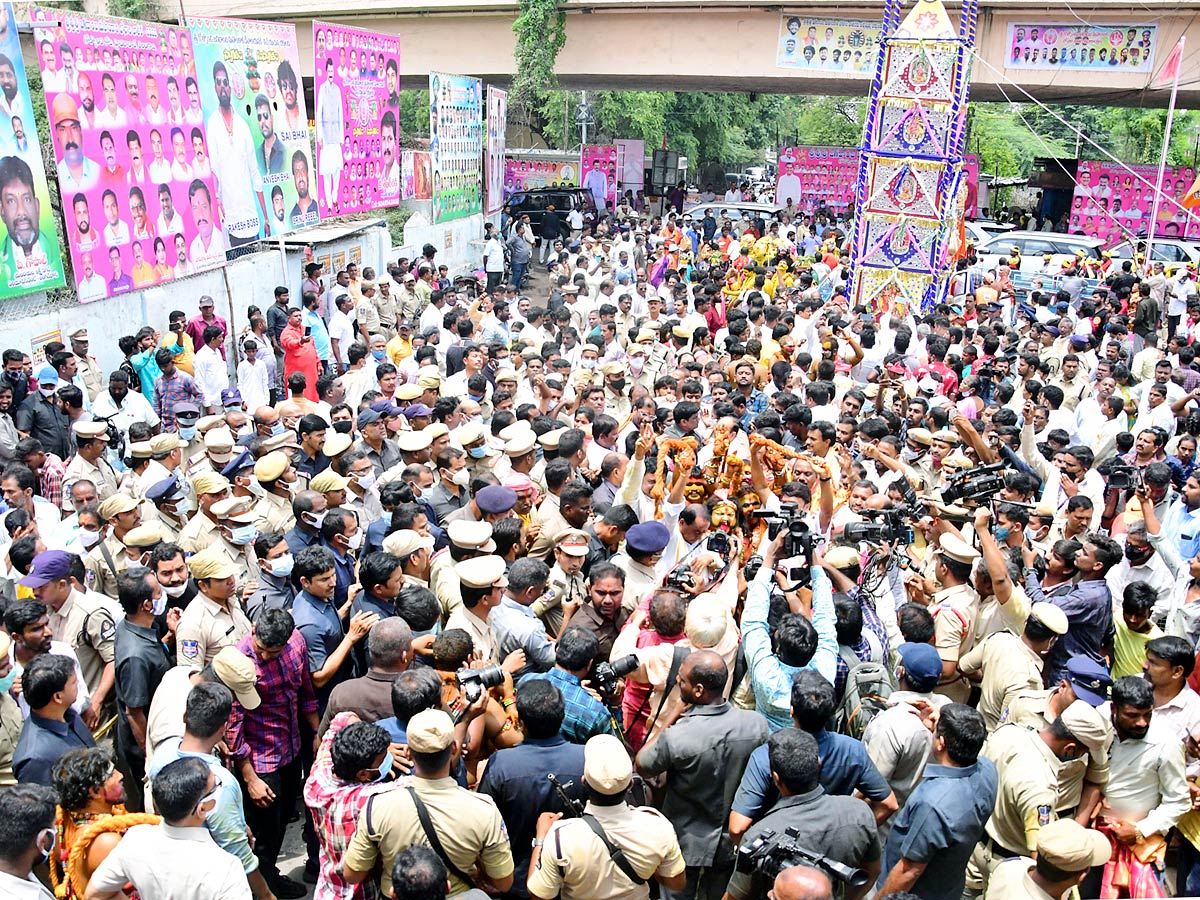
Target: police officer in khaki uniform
[1080,781]
[166,453]
[87,366]
[570,859]
[467,540]
[216,447]
[276,475]
[1005,663]
[80,621]
[201,529]
[104,562]
[214,619]
[1066,852]
[954,608]
[566,583]
[548,441]
[166,508]
[1027,763]
[467,825]
[88,463]
[616,391]
[235,524]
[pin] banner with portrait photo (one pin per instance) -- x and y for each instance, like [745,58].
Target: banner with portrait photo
[497,128]
[456,143]
[1115,202]
[257,126]
[134,171]
[844,47]
[31,257]
[1068,45]
[416,175]
[530,174]
[357,91]
[598,173]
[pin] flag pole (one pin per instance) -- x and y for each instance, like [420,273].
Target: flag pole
[1177,59]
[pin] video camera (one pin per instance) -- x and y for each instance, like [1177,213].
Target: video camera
[977,485]
[1124,477]
[893,525]
[768,856]
[682,579]
[473,682]
[799,540]
[607,674]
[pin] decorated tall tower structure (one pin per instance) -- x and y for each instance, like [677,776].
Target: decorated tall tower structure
[912,186]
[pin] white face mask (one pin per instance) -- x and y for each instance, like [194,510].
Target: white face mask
[174,591]
[462,477]
[88,539]
[355,540]
[160,603]
[366,480]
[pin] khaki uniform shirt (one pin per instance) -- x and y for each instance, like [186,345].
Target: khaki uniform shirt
[151,475]
[93,376]
[206,628]
[101,475]
[11,722]
[486,648]
[88,625]
[1026,800]
[444,583]
[954,611]
[1010,881]
[273,513]
[100,575]
[575,865]
[549,516]
[639,580]
[1029,708]
[386,308]
[468,825]
[1008,665]
[995,616]
[368,317]
[200,532]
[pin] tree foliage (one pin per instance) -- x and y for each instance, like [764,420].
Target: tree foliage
[541,32]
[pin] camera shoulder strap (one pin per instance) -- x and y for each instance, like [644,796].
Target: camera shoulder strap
[678,654]
[615,853]
[434,841]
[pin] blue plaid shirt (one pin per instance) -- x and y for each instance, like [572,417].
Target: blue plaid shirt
[585,715]
[863,648]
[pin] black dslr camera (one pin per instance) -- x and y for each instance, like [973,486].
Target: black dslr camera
[606,675]
[976,486]
[473,682]
[799,540]
[769,855]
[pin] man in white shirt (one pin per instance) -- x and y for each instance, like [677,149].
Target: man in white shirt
[493,258]
[210,370]
[231,152]
[91,286]
[341,329]
[123,407]
[29,810]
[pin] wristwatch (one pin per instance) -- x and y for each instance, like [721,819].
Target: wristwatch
[537,842]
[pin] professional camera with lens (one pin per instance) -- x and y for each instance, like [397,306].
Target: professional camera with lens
[768,855]
[798,541]
[718,542]
[975,486]
[679,579]
[474,682]
[886,526]
[607,674]
[1124,477]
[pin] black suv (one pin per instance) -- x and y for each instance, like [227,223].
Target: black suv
[533,203]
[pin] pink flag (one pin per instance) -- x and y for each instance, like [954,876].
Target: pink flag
[1170,70]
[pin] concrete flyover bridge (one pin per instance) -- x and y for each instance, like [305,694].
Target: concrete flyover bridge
[1110,50]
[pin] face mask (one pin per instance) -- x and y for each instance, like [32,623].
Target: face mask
[242,535]
[636,366]
[355,541]
[1031,533]
[89,539]
[1138,555]
[617,385]
[908,454]
[6,682]
[385,768]
[160,603]
[214,798]
[46,392]
[462,478]
[277,429]
[379,354]
[343,427]
[587,363]
[1001,533]
[312,519]
[174,591]
[367,480]
[281,567]
[477,452]
[186,434]
[46,840]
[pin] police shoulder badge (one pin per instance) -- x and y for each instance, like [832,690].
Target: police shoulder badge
[1045,814]
[190,649]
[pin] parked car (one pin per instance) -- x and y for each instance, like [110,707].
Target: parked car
[1171,251]
[980,230]
[732,210]
[1033,245]
[563,200]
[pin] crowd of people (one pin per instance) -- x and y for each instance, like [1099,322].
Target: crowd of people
[675,572]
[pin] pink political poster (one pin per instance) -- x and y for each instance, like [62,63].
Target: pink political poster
[823,177]
[598,169]
[531,174]
[357,90]
[132,153]
[497,131]
[1115,202]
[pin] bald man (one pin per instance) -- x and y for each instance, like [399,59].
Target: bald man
[801,883]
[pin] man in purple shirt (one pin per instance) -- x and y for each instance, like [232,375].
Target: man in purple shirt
[197,324]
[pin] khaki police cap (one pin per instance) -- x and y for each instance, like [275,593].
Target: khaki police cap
[236,672]
[164,443]
[606,765]
[1091,728]
[572,542]
[336,444]
[141,450]
[946,436]
[646,336]
[144,535]
[1050,616]
[1071,848]
[436,430]
[429,381]
[920,436]
[521,444]
[413,441]
[233,508]
[521,426]
[287,439]
[957,549]
[117,504]
[219,442]
[613,368]
[90,430]
[212,562]
[430,731]
[469,433]
[271,466]
[549,440]
[471,535]
[328,480]
[406,542]
[409,391]
[210,483]
[481,572]
[208,423]
[842,557]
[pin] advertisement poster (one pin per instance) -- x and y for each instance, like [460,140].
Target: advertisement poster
[631,165]
[357,91]
[530,174]
[257,126]
[1051,45]
[497,128]
[845,47]
[133,161]
[32,259]
[1110,203]
[416,178]
[456,144]
[816,177]
[598,168]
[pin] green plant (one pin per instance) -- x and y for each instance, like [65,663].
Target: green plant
[541,32]
[131,9]
[395,219]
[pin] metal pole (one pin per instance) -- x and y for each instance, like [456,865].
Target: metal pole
[583,122]
[1162,161]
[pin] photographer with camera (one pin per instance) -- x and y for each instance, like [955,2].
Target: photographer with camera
[575,652]
[797,643]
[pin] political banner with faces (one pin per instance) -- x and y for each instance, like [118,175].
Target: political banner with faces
[530,174]
[133,162]
[598,165]
[497,128]
[257,126]
[416,175]
[456,143]
[357,90]
[31,257]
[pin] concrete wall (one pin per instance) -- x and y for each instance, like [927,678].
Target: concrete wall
[459,243]
[248,280]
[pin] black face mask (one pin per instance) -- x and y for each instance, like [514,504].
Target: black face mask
[343,427]
[1138,555]
[617,385]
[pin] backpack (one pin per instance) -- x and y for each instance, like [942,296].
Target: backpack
[868,687]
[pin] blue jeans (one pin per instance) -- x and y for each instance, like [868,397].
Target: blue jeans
[518,273]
